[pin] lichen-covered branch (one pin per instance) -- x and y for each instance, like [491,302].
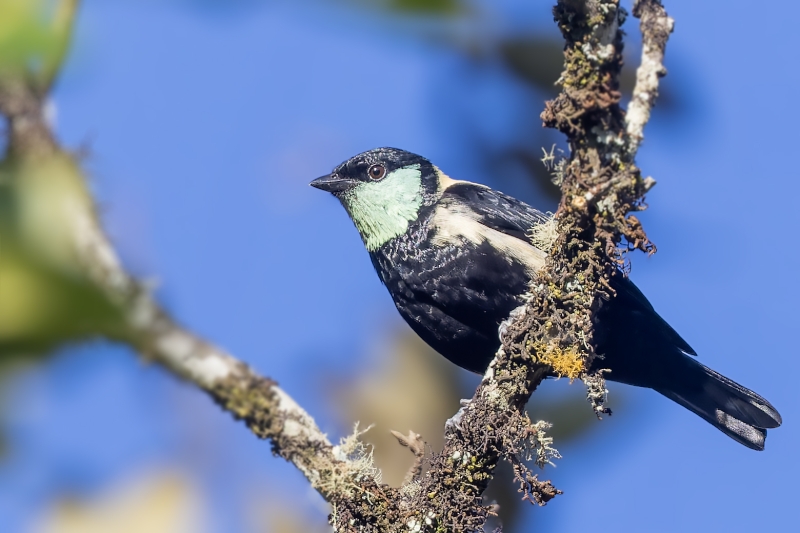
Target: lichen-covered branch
[553,331]
[601,187]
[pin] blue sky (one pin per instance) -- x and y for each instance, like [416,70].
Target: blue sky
[204,128]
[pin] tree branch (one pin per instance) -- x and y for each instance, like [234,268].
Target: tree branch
[601,186]
[266,409]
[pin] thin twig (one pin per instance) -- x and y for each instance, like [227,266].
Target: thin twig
[656,27]
[415,444]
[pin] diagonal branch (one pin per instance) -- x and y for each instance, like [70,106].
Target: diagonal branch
[266,409]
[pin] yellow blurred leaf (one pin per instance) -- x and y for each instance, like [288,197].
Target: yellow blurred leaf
[46,298]
[278,514]
[154,502]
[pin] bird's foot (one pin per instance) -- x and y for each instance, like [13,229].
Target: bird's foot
[453,423]
[512,317]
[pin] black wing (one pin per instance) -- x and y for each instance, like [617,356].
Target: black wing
[497,210]
[513,217]
[455,294]
[638,346]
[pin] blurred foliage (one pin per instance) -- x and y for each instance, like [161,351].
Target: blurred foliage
[279,514]
[426,7]
[46,300]
[25,37]
[45,297]
[34,35]
[154,502]
[535,60]
[410,7]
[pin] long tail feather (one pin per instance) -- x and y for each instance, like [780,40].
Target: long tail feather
[735,410]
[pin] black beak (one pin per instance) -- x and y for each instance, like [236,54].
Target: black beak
[333,183]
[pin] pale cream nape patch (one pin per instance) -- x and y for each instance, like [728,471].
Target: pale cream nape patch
[446,181]
[454,222]
[382,210]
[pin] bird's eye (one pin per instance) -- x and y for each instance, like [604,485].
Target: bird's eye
[376,172]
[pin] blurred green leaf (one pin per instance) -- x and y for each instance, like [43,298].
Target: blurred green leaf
[533,59]
[42,307]
[419,8]
[45,297]
[434,7]
[24,35]
[34,35]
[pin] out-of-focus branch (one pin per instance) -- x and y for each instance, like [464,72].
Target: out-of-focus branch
[268,411]
[28,130]
[656,27]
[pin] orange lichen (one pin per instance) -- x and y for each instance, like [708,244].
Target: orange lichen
[569,362]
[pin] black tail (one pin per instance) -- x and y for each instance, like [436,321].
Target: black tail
[737,411]
[653,355]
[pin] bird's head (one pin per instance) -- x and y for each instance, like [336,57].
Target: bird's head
[383,191]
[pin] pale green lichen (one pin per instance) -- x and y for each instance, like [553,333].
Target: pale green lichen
[357,464]
[544,235]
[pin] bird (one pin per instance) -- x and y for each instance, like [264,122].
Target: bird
[456,258]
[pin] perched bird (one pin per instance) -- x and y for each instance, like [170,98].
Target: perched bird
[456,259]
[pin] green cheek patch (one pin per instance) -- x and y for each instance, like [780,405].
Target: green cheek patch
[383,209]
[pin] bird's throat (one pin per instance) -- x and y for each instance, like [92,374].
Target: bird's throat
[383,210]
